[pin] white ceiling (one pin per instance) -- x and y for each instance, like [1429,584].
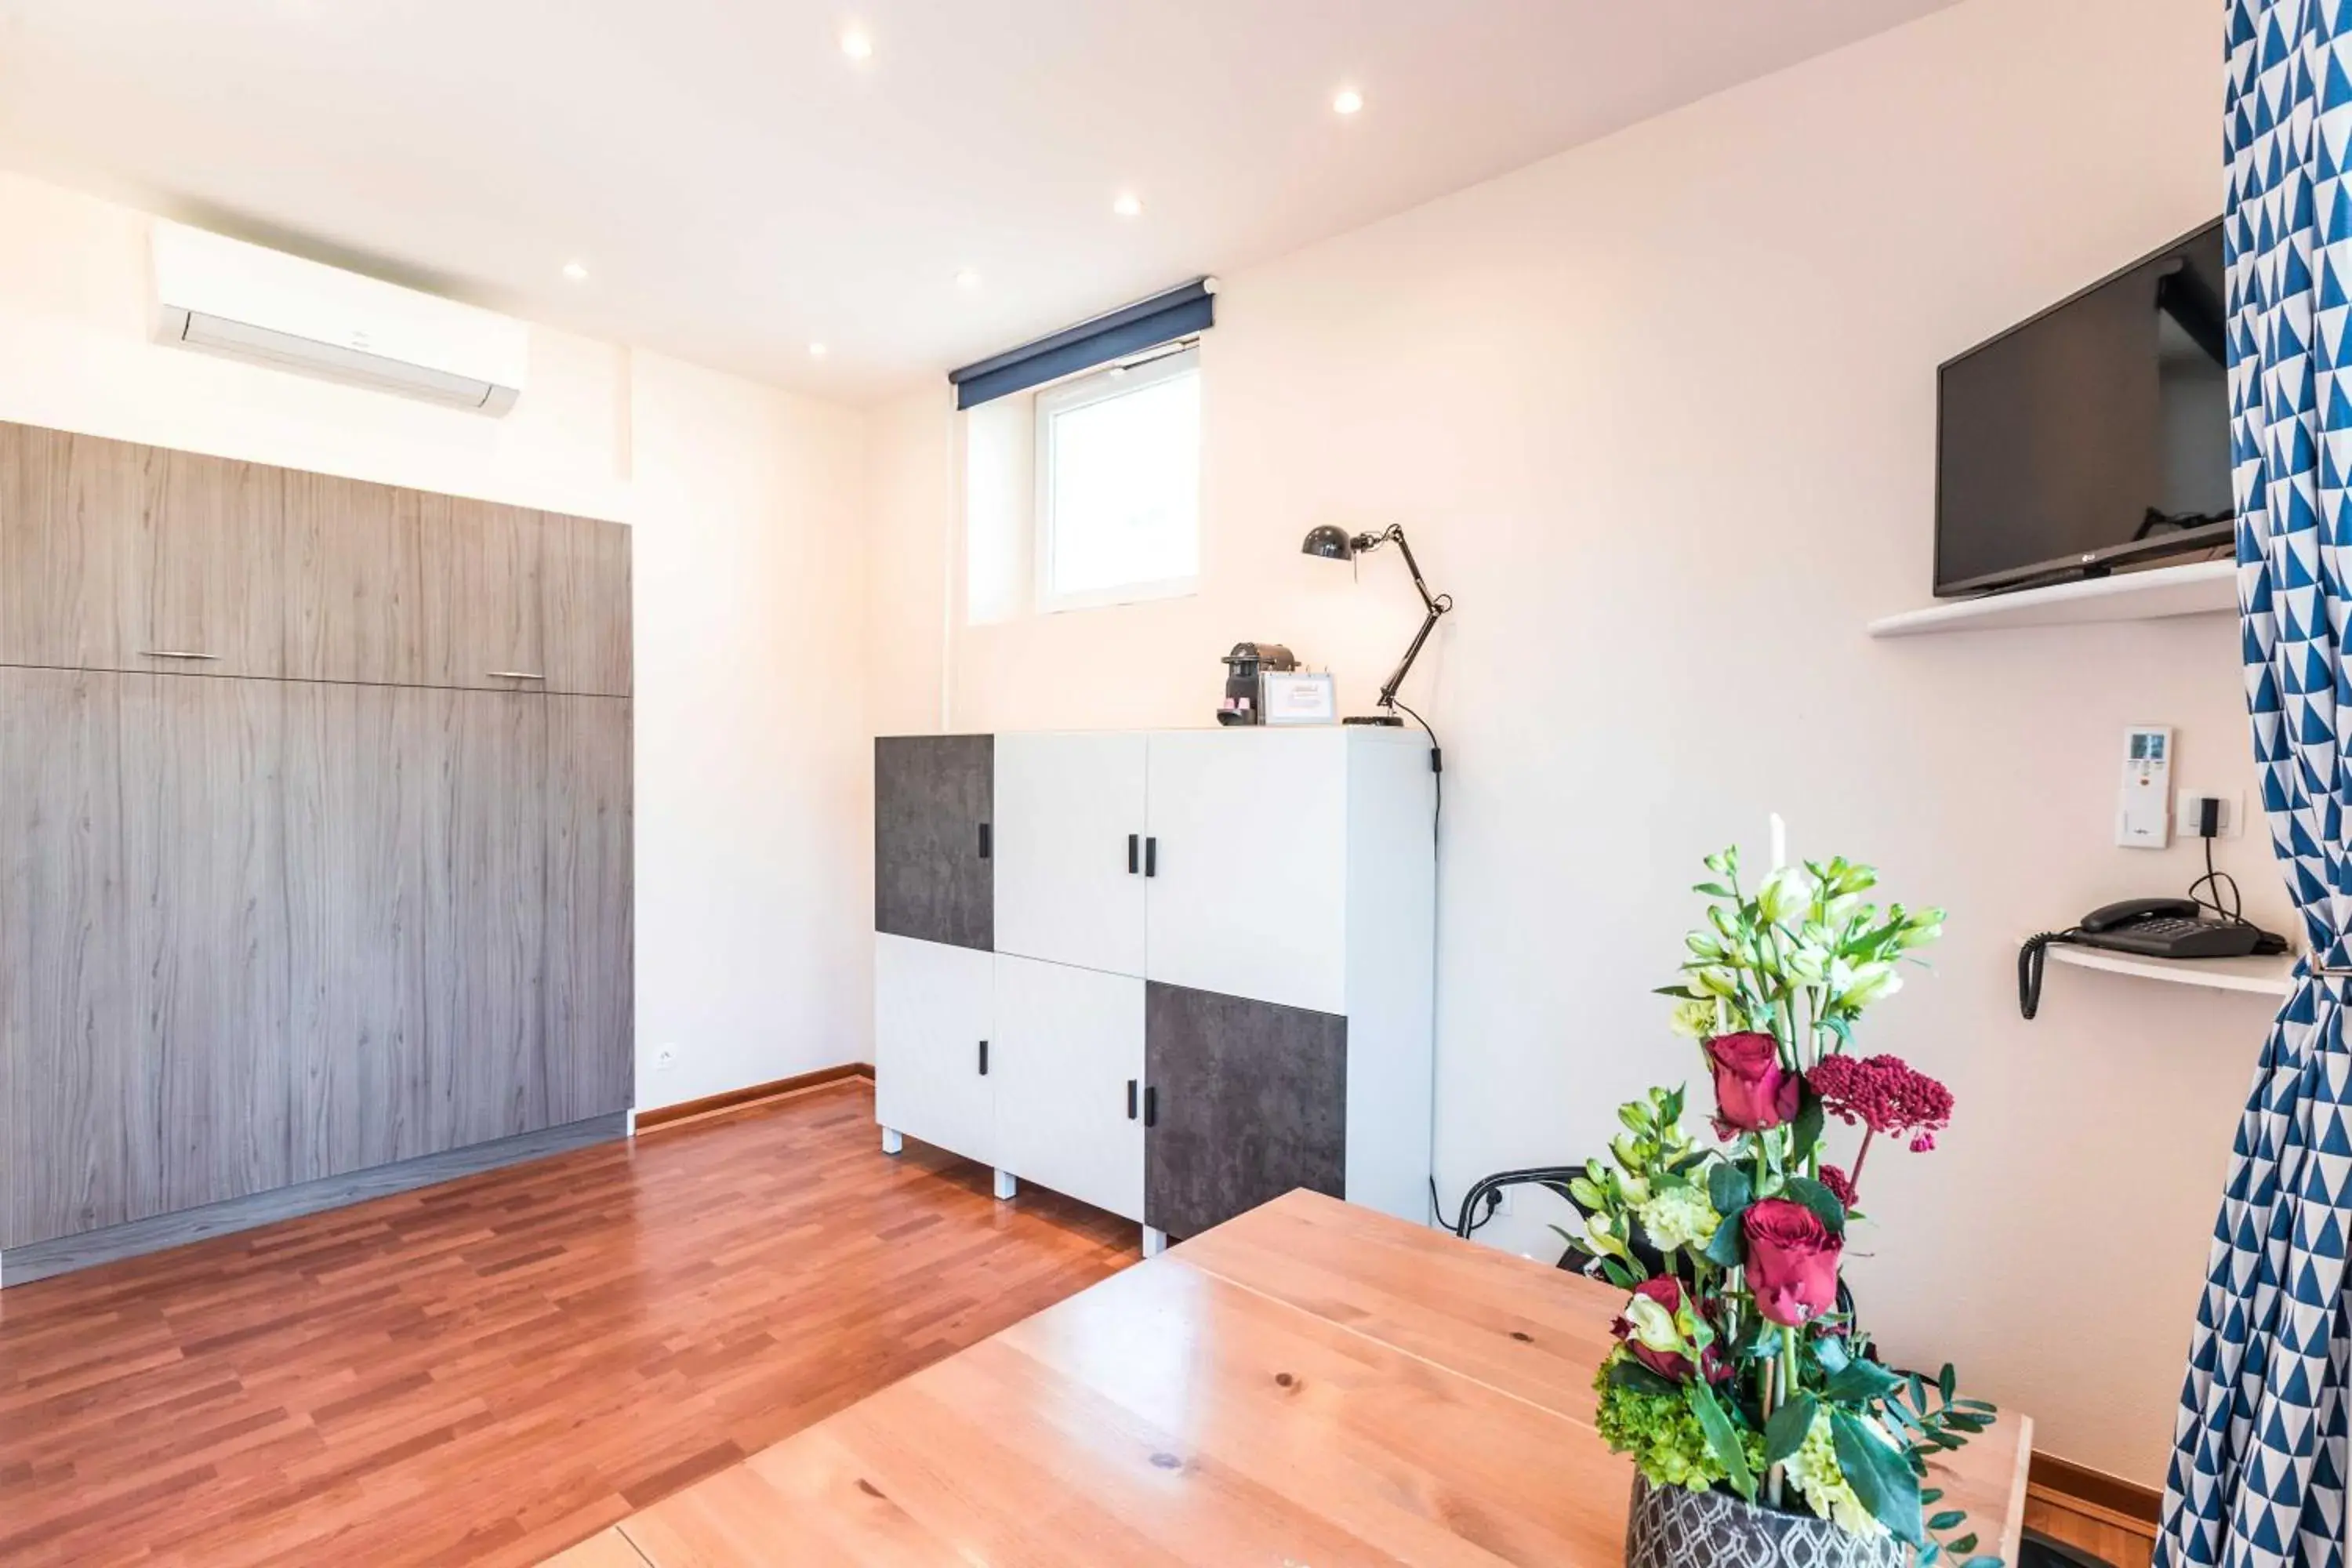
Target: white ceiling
[739,188]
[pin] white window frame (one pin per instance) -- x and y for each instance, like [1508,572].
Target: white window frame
[1100,386]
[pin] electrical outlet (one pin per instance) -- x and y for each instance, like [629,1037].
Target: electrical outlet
[665,1058]
[2191,805]
[1505,1207]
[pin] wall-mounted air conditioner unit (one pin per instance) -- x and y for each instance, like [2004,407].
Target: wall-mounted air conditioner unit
[225,297]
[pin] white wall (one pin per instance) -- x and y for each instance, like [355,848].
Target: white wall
[1659,413]
[753,763]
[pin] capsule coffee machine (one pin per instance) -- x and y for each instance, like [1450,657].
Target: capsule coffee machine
[1245,700]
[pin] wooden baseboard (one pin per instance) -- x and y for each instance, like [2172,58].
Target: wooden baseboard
[750,1094]
[2064,1482]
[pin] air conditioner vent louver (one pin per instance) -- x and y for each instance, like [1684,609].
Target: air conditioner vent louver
[225,297]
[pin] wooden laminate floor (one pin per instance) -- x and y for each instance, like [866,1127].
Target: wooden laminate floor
[488,1371]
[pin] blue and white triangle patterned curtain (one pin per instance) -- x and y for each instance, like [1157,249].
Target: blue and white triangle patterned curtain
[2258,1471]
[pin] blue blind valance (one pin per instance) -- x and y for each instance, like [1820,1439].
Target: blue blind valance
[1178,313]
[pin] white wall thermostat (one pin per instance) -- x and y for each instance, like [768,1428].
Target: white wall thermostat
[2144,812]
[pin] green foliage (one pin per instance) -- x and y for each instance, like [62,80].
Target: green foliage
[1662,1436]
[1960,1549]
[1785,1432]
[1723,1440]
[1802,957]
[1880,1476]
[1652,1153]
[1860,1382]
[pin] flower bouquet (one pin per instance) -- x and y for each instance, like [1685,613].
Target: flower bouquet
[1743,1384]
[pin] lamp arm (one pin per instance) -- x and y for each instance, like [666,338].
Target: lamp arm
[1428,599]
[1435,604]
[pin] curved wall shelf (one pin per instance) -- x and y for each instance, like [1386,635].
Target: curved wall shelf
[2268,976]
[2199,588]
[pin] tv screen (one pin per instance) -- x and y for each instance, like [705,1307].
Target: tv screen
[2094,436]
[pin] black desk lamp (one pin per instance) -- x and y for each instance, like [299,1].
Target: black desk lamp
[1334,545]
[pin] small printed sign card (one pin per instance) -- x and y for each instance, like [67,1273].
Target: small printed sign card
[1299,699]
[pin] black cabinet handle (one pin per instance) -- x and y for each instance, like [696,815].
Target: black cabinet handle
[984,1059]
[983,841]
[1131,1100]
[1132,841]
[1151,1106]
[1151,857]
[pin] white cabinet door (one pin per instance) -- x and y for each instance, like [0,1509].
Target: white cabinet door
[932,1012]
[1069,1081]
[1069,809]
[1249,891]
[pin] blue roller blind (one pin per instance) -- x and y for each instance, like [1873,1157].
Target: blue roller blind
[1178,313]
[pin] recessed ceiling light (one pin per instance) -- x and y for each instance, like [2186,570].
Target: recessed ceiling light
[967,278]
[575,271]
[1129,205]
[1349,101]
[858,44]
[817,351]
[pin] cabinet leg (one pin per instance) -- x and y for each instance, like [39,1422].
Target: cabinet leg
[1155,1242]
[1007,1184]
[891,1142]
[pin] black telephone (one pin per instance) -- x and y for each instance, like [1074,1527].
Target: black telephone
[2165,928]
[2153,927]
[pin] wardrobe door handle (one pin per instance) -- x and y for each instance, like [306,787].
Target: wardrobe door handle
[983,841]
[1151,1106]
[1151,857]
[516,675]
[1133,840]
[175,653]
[984,1059]
[1131,1100]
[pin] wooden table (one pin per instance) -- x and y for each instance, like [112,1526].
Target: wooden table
[1309,1385]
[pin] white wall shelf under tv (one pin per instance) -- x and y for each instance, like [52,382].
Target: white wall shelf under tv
[2199,588]
[2268,976]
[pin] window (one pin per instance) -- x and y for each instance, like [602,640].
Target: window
[1119,485]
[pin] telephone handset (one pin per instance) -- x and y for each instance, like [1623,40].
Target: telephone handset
[2164,928]
[2153,927]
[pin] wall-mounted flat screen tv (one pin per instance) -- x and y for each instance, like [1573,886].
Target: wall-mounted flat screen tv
[2093,436]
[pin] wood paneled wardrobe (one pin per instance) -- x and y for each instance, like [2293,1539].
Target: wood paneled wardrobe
[314,829]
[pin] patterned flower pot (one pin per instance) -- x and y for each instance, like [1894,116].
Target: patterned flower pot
[1673,1528]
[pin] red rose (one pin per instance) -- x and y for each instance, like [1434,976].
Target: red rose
[1792,1261]
[1667,1292]
[1752,1090]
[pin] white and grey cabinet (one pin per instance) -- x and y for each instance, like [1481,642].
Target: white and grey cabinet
[1171,974]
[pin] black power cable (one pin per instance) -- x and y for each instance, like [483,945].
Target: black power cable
[1436,763]
[2213,882]
[1493,1206]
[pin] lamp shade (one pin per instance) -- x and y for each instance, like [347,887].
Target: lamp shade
[1330,544]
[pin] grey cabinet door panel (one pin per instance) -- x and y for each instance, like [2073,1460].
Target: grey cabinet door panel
[204,850]
[585,605]
[486,917]
[80,1093]
[354,581]
[482,614]
[358,763]
[591,998]
[934,801]
[210,569]
[115,556]
[69,505]
[1248,1099]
